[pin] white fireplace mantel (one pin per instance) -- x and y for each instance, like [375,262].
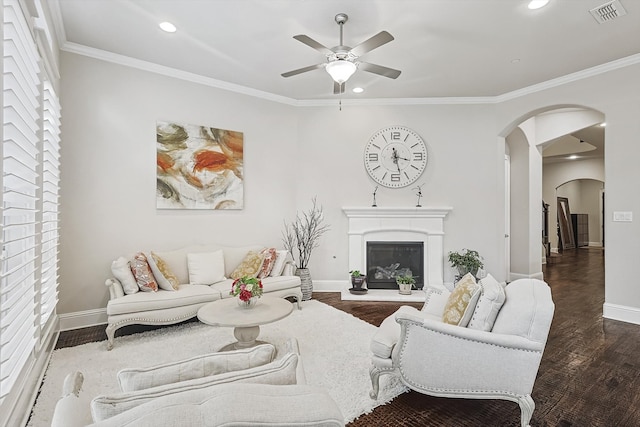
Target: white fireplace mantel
[392,224]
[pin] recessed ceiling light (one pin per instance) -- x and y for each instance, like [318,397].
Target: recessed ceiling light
[168,27]
[537,4]
[515,61]
[572,157]
[603,124]
[357,90]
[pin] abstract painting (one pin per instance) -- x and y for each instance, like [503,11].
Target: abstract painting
[198,167]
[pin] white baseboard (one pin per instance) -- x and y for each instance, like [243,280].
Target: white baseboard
[515,276]
[595,244]
[82,319]
[621,312]
[330,285]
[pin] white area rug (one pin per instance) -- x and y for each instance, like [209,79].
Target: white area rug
[334,346]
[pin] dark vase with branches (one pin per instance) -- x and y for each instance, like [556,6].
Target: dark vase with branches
[301,237]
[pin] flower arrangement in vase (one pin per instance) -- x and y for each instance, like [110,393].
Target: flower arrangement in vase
[248,290]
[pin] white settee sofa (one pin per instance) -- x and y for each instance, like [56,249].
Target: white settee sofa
[244,387]
[169,307]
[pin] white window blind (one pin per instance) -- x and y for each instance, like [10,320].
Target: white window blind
[21,127]
[50,186]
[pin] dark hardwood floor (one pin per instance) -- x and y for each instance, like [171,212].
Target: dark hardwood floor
[589,375]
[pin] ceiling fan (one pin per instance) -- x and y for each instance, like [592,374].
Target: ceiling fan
[342,61]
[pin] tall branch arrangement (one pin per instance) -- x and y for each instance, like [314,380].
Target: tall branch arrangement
[302,235]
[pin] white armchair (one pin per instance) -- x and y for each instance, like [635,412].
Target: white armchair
[439,359]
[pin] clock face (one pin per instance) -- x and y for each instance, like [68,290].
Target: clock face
[395,157]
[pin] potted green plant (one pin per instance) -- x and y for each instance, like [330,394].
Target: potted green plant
[405,284]
[466,261]
[357,279]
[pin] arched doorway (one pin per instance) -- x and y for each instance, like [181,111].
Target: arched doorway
[555,130]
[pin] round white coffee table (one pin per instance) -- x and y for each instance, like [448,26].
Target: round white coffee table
[245,321]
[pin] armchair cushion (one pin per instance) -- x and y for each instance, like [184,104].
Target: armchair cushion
[462,301]
[492,297]
[279,372]
[134,379]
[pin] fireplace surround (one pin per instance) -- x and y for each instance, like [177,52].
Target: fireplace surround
[399,224]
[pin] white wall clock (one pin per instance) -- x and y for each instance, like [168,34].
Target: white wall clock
[395,157]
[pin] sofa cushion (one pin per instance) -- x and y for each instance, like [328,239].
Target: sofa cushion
[121,270]
[142,301]
[195,367]
[142,273]
[249,267]
[177,262]
[492,297]
[279,372]
[526,300]
[163,274]
[206,268]
[269,284]
[237,405]
[267,263]
[278,265]
[462,301]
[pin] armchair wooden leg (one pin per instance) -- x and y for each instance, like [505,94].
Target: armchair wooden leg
[374,373]
[527,406]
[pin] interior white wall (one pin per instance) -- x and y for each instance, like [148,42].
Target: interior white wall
[591,191]
[465,167]
[292,154]
[616,94]
[109,171]
[520,212]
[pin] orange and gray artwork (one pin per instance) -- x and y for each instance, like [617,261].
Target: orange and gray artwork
[198,167]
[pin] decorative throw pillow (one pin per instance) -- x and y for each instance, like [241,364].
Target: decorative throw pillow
[250,266]
[492,297]
[122,271]
[206,268]
[166,280]
[268,262]
[278,265]
[462,301]
[142,272]
[164,269]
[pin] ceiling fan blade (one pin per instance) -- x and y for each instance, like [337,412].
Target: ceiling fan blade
[314,44]
[338,88]
[302,70]
[379,69]
[368,45]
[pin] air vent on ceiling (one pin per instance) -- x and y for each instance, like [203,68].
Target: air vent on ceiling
[608,11]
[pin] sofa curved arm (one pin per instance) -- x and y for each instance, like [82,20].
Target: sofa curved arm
[446,360]
[115,288]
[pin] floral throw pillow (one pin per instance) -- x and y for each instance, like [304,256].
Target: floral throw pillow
[142,272]
[250,265]
[163,274]
[462,301]
[269,261]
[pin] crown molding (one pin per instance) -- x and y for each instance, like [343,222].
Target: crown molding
[208,81]
[171,72]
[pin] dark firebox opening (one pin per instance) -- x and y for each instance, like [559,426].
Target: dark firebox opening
[386,260]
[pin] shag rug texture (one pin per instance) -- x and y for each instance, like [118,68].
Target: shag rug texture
[334,346]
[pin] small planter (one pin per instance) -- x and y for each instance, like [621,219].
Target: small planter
[405,284]
[405,288]
[358,282]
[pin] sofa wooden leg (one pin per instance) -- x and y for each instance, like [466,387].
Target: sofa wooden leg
[527,405]
[111,331]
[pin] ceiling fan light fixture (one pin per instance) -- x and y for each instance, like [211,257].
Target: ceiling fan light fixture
[341,70]
[537,4]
